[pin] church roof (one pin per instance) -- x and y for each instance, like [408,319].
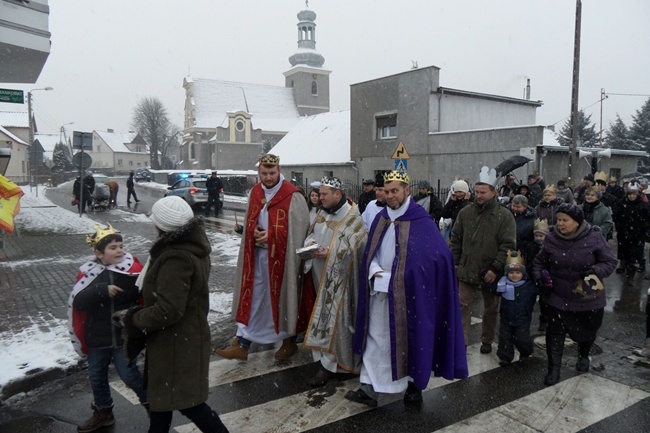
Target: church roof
[315,140]
[273,107]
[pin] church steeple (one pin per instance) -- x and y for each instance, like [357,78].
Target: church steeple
[307,54]
[310,82]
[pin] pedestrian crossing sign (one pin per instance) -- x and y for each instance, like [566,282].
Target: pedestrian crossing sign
[401,165]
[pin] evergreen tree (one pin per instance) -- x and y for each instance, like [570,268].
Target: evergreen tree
[587,136]
[61,157]
[618,136]
[640,129]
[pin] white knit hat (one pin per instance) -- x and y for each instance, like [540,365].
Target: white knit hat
[171,213]
[460,186]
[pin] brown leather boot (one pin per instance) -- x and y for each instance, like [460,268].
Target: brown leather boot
[288,349]
[100,418]
[235,351]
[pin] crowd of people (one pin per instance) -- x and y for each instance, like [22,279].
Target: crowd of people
[382,288]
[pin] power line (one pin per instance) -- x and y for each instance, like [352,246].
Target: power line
[627,94]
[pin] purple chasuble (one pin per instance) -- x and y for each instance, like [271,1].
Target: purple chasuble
[426,331]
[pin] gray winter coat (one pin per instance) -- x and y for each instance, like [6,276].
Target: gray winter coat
[600,217]
[481,238]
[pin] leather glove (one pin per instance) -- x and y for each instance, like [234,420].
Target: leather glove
[546,279]
[587,272]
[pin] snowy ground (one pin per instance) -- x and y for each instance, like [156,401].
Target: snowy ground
[46,343]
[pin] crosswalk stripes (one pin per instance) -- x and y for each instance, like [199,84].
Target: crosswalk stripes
[263,395]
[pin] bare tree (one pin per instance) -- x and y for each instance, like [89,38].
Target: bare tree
[151,122]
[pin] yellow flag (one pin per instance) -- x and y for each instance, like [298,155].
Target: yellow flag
[8,188]
[9,208]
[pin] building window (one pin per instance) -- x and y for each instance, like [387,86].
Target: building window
[314,88]
[192,152]
[119,162]
[386,126]
[239,125]
[130,163]
[328,174]
[297,177]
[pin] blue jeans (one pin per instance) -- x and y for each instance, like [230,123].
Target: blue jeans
[98,361]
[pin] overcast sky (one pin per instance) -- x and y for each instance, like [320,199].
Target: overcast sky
[106,55]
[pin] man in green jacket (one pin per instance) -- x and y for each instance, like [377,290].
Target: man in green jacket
[480,240]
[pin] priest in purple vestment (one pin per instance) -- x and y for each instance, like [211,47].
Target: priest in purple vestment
[408,324]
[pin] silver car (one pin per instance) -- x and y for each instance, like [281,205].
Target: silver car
[192,190]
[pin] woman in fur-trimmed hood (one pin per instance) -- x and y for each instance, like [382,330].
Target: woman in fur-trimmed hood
[174,317]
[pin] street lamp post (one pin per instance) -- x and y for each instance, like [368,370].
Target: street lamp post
[32,152]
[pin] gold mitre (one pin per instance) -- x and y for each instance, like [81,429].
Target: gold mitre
[613,179]
[541,225]
[601,175]
[399,176]
[100,233]
[269,159]
[515,258]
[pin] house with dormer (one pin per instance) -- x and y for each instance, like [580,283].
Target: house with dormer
[229,124]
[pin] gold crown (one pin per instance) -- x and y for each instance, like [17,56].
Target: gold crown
[399,176]
[541,225]
[612,179]
[515,259]
[100,233]
[269,159]
[600,175]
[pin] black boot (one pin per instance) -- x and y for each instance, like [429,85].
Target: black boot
[554,349]
[100,418]
[583,363]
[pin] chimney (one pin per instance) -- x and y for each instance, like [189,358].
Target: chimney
[527,88]
[110,130]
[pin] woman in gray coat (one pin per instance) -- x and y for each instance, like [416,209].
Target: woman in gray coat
[174,317]
[596,213]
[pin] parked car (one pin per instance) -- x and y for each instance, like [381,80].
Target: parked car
[100,179]
[192,190]
[142,175]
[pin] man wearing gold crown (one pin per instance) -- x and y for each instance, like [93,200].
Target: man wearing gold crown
[480,240]
[104,285]
[265,298]
[408,318]
[340,233]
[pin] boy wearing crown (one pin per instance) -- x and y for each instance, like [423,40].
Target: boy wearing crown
[408,323]
[104,285]
[518,295]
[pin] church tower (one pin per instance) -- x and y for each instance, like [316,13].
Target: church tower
[310,82]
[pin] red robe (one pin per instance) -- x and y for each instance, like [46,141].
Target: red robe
[278,234]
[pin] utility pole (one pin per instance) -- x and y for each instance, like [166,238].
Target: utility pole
[603,96]
[32,150]
[574,92]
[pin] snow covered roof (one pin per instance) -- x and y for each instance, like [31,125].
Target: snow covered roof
[273,107]
[550,138]
[116,140]
[320,139]
[14,119]
[12,136]
[48,141]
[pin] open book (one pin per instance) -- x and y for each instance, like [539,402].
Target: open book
[307,253]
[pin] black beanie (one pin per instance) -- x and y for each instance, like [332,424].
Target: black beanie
[572,210]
